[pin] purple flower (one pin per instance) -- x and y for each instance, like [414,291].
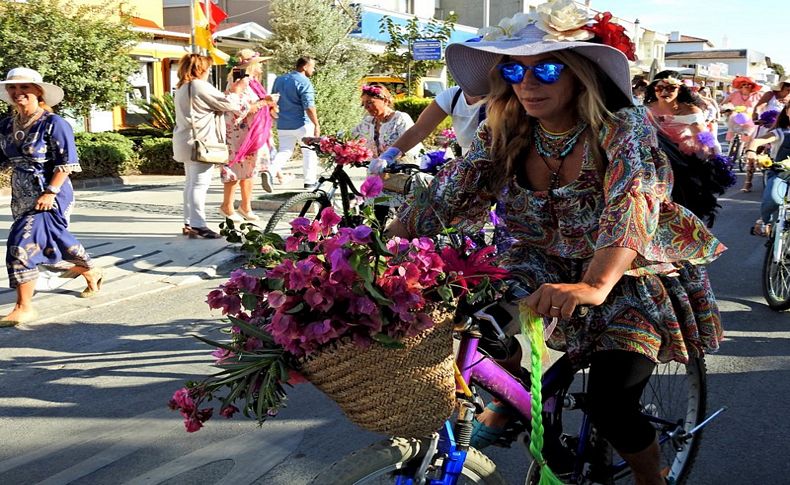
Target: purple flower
[361,234]
[768,118]
[740,118]
[276,299]
[372,186]
[329,219]
[706,138]
[431,161]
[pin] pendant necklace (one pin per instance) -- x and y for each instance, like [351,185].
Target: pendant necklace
[21,127]
[556,146]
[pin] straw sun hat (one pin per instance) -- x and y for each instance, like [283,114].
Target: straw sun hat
[247,57]
[556,25]
[23,75]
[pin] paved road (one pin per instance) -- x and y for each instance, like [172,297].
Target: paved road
[83,400]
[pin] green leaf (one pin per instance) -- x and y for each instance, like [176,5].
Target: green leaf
[378,245]
[387,341]
[248,329]
[444,292]
[296,309]
[249,301]
[376,294]
[274,283]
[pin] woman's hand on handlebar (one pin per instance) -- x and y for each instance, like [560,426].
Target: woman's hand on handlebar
[562,299]
[376,166]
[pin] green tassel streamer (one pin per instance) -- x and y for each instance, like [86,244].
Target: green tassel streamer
[532,326]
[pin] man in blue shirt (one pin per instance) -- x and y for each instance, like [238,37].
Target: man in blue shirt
[298,117]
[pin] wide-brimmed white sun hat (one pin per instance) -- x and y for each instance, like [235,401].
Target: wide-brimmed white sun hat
[23,75]
[557,25]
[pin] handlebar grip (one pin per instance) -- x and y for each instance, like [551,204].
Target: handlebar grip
[517,292]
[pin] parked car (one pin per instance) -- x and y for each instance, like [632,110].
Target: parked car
[428,88]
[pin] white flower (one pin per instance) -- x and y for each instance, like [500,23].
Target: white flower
[508,28]
[562,20]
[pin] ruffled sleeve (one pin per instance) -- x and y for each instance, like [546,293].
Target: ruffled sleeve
[638,212]
[62,150]
[456,197]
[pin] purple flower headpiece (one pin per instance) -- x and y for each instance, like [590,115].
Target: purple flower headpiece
[768,118]
[373,91]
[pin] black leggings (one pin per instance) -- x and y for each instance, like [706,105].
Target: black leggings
[617,379]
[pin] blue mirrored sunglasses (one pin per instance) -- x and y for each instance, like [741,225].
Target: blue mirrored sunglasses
[547,72]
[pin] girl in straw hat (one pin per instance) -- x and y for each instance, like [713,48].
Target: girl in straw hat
[585,193]
[39,145]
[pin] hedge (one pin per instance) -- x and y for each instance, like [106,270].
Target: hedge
[105,154]
[157,157]
[112,154]
[414,106]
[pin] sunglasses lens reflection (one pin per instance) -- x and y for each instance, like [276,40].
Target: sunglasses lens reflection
[512,72]
[548,72]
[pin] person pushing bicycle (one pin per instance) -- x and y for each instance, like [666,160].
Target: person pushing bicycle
[585,194]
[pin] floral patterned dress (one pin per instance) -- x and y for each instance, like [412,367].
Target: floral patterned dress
[40,237]
[663,307]
[237,127]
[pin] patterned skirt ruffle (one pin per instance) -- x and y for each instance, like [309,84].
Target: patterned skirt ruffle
[663,317]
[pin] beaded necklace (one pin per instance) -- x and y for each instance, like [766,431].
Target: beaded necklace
[556,145]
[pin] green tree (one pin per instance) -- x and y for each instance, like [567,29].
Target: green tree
[397,59]
[778,69]
[79,48]
[320,29]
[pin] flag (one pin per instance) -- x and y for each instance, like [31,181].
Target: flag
[203,35]
[217,15]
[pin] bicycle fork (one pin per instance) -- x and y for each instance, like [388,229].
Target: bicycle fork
[443,461]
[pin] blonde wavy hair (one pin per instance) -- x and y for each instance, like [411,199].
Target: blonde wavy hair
[511,128]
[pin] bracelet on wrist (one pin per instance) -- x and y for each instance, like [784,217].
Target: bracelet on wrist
[52,189]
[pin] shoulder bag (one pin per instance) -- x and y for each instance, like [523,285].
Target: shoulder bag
[203,151]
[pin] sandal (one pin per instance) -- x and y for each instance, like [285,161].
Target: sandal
[203,233]
[266,181]
[99,275]
[484,435]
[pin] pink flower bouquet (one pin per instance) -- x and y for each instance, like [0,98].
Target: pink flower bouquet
[336,150]
[331,284]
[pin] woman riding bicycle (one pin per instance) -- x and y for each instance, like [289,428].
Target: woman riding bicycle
[773,193]
[586,196]
[746,96]
[688,143]
[383,124]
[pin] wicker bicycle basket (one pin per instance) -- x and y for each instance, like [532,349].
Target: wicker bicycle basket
[405,392]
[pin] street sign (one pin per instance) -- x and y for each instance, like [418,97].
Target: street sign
[426,50]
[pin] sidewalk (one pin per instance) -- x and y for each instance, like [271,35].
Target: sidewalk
[132,228]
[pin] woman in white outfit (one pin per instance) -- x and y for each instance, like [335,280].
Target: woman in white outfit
[200,108]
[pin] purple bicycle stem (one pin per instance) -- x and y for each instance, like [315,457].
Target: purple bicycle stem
[491,376]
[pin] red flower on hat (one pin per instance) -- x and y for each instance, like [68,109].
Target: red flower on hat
[612,34]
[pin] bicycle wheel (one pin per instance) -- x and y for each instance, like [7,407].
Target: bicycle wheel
[382,462]
[300,205]
[776,275]
[675,393]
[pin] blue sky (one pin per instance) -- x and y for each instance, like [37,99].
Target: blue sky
[761,25]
